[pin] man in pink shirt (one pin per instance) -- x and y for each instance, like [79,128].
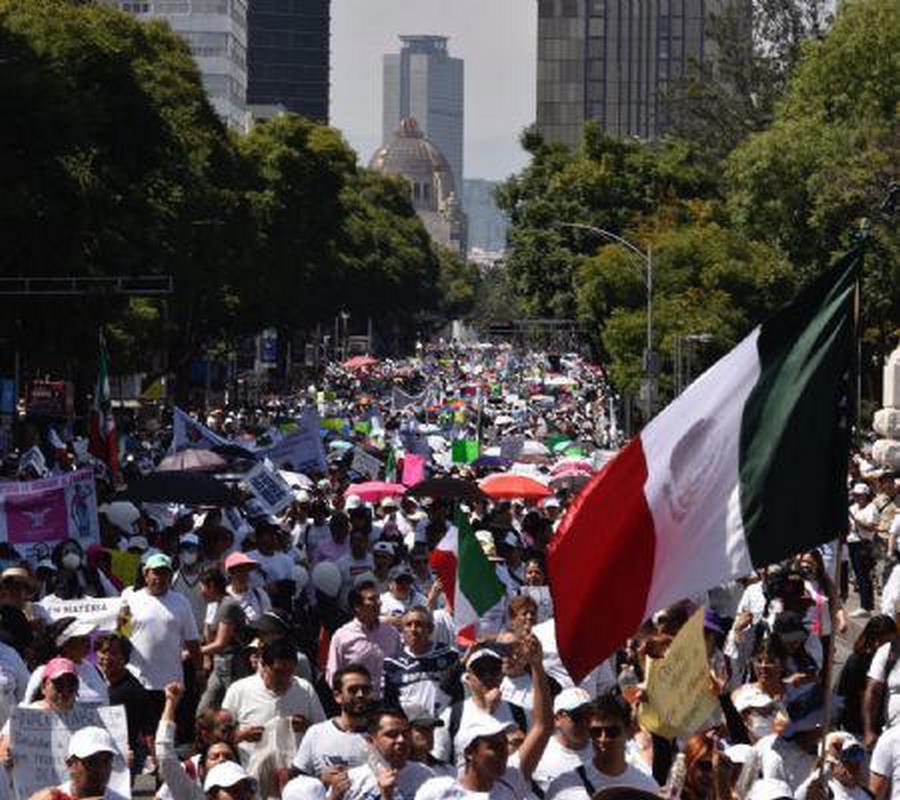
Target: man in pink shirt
[365,639]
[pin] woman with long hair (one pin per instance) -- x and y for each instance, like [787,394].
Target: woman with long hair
[825,596]
[852,680]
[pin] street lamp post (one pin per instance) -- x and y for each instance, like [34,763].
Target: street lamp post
[647,258]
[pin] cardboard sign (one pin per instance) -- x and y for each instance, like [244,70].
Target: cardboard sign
[269,488]
[101,611]
[679,697]
[40,740]
[365,465]
[413,469]
[49,510]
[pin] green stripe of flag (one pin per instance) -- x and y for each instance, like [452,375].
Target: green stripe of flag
[795,427]
[476,576]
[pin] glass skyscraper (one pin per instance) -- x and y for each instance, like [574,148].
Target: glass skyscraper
[288,55]
[611,61]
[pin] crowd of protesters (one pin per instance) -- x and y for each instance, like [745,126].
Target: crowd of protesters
[314,653]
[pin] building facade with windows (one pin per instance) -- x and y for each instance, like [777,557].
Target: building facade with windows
[289,56]
[611,61]
[425,83]
[217,33]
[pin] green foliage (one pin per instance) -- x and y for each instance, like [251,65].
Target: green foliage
[608,183]
[827,159]
[115,163]
[707,280]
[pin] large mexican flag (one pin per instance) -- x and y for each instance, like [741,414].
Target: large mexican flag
[746,467]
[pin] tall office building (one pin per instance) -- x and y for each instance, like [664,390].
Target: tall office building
[217,33]
[288,56]
[611,60]
[425,83]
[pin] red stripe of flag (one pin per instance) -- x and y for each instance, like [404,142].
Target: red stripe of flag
[600,564]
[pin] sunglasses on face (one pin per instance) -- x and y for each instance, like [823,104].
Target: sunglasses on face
[609,731]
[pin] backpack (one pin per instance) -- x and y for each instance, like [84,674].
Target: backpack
[456,712]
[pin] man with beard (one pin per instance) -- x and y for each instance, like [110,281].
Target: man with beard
[331,747]
[389,773]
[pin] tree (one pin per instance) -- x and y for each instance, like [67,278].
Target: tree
[827,160]
[707,280]
[607,183]
[755,46]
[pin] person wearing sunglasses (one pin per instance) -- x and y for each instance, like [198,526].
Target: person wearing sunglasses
[570,745]
[607,724]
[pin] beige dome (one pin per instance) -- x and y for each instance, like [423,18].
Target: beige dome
[410,155]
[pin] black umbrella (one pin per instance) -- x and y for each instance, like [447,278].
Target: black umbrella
[190,488]
[448,488]
[234,451]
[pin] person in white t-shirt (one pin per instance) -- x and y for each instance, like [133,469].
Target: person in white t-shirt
[570,746]
[487,772]
[864,519]
[883,676]
[332,747]
[608,730]
[846,758]
[254,600]
[388,771]
[274,691]
[162,626]
[884,769]
[400,597]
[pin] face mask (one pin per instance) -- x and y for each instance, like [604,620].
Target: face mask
[759,726]
[188,557]
[71,561]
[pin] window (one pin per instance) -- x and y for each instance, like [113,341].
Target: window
[173,7]
[136,8]
[546,8]
[209,6]
[597,8]
[569,8]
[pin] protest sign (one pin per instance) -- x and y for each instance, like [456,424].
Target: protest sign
[100,611]
[188,432]
[401,400]
[679,698]
[40,740]
[302,450]
[365,465]
[413,469]
[45,511]
[269,488]
[465,451]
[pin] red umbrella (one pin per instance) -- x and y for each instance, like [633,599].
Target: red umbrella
[375,491]
[360,362]
[507,486]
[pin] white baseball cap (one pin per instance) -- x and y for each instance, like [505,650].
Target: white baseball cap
[861,488]
[352,501]
[226,774]
[90,741]
[571,699]
[482,725]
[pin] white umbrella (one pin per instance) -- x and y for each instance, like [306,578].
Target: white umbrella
[121,514]
[296,479]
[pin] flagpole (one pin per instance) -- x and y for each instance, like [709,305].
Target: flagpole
[829,655]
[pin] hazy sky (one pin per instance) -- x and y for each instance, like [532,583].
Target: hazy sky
[496,38]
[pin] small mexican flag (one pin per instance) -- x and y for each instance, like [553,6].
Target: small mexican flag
[390,467]
[745,468]
[104,442]
[470,583]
